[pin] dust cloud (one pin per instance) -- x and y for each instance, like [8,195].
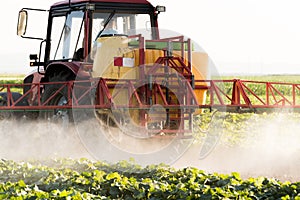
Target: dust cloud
[271,148]
[36,139]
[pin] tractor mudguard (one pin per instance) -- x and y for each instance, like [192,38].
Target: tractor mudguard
[74,67]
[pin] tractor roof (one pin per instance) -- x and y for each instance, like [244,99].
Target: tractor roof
[101,1]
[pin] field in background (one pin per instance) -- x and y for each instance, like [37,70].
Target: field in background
[266,78]
[271,78]
[11,78]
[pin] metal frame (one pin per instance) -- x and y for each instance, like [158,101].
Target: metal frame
[221,94]
[238,94]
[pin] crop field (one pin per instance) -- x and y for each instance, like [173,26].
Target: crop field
[234,156]
[83,179]
[11,78]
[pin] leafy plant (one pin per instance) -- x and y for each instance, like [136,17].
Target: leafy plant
[84,179]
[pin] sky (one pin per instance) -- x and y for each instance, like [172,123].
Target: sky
[240,36]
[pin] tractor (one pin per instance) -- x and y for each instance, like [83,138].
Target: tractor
[130,88]
[107,61]
[142,78]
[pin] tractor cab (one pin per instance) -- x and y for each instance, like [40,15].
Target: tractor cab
[76,27]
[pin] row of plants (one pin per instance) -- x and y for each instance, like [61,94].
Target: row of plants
[84,179]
